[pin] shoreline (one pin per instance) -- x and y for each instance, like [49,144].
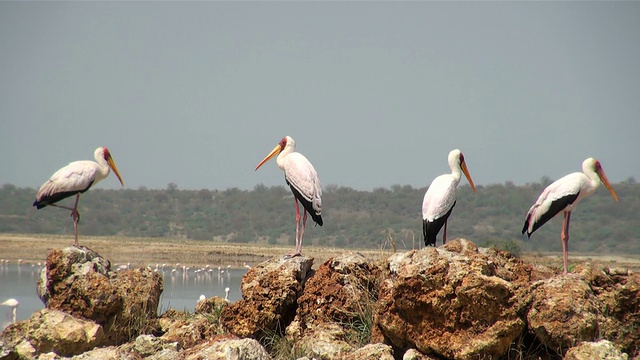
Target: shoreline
[34,248]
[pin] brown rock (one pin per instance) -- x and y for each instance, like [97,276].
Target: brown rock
[140,291]
[563,313]
[53,331]
[270,291]
[456,301]
[75,280]
[335,311]
[343,290]
[78,281]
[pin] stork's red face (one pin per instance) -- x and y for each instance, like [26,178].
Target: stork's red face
[283,143]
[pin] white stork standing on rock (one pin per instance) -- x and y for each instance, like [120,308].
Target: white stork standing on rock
[303,180]
[75,179]
[563,195]
[440,198]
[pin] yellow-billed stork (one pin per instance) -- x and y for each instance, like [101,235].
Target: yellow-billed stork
[563,195]
[303,180]
[75,179]
[440,198]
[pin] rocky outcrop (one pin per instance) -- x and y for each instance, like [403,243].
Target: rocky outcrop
[269,298]
[457,301]
[335,312]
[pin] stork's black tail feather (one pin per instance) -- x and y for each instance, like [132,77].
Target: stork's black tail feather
[317,217]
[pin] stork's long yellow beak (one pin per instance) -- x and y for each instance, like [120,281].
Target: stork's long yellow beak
[606,183]
[463,165]
[276,150]
[113,167]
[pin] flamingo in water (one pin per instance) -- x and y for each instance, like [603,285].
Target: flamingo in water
[563,195]
[440,198]
[303,180]
[13,305]
[75,179]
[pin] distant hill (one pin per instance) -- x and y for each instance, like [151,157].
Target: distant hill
[494,215]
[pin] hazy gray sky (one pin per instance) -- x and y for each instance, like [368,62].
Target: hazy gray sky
[375,94]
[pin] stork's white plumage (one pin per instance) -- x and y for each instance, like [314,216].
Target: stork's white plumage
[440,198]
[75,179]
[563,195]
[303,180]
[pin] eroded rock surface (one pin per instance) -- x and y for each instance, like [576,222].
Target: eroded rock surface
[270,292]
[456,301]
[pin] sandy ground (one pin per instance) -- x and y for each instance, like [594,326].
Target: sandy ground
[151,251]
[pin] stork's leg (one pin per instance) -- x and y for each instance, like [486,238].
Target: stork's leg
[296,252]
[76,217]
[444,236]
[304,225]
[74,214]
[564,235]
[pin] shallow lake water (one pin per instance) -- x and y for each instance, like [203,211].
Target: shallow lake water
[182,287]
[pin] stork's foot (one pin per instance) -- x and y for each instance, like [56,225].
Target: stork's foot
[292,255]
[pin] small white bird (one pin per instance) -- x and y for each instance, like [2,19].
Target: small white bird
[440,198]
[226,294]
[303,180]
[13,304]
[75,179]
[563,195]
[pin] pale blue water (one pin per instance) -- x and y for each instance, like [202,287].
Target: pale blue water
[181,290]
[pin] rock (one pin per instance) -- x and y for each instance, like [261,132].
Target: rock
[327,341]
[107,353]
[335,312]
[456,301]
[78,281]
[586,306]
[187,330]
[140,291]
[343,290]
[563,313]
[371,352]
[601,350]
[413,354]
[212,305]
[7,352]
[228,349]
[53,331]
[270,291]
[619,304]
[147,345]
